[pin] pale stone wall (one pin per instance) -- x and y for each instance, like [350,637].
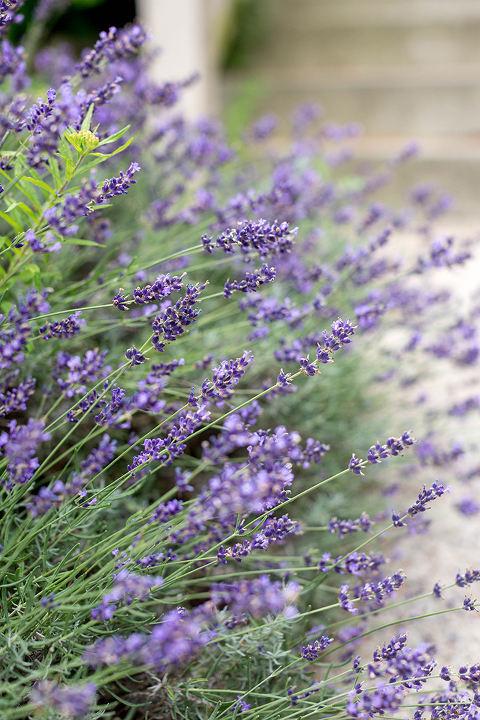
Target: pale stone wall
[191,35]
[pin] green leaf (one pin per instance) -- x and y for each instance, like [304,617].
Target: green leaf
[80,241]
[13,223]
[114,137]
[41,184]
[28,213]
[54,168]
[29,193]
[115,152]
[86,121]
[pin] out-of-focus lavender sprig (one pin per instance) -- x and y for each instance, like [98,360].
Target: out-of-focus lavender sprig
[127,586]
[15,329]
[19,446]
[442,255]
[71,700]
[45,9]
[112,45]
[257,597]
[16,398]
[346,527]
[8,14]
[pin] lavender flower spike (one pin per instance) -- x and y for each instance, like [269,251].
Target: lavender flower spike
[226,376]
[19,447]
[70,700]
[118,186]
[114,45]
[311,651]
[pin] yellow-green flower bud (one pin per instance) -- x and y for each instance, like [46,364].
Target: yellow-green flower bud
[83,140]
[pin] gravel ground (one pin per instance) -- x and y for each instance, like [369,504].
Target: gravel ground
[452,544]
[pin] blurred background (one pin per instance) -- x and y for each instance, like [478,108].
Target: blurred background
[404,69]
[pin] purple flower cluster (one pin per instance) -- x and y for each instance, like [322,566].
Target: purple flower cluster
[346,527]
[427,496]
[49,122]
[461,409]
[8,16]
[118,186]
[173,445]
[378,590]
[225,376]
[441,255]
[136,357]
[71,700]
[354,564]
[16,398]
[19,446]
[15,330]
[46,245]
[312,650]
[257,598]
[62,217]
[468,505]
[295,696]
[469,604]
[408,667]
[112,45]
[387,652]
[470,577]
[63,328]
[163,286]
[79,371]
[165,511]
[251,281]
[174,641]
[35,115]
[420,505]
[12,63]
[273,530]
[344,600]
[171,323]
[262,128]
[167,368]
[341,332]
[260,236]
[428,453]
[127,586]
[376,453]
[240,705]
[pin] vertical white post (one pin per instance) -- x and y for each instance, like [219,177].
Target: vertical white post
[187,31]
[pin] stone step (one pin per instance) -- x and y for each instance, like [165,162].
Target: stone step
[294,14]
[375,45]
[397,99]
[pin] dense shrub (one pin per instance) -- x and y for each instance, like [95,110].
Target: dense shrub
[159,511]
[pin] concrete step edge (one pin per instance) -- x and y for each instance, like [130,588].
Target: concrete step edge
[363,76]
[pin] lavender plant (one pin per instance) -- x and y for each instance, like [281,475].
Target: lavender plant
[152,564]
